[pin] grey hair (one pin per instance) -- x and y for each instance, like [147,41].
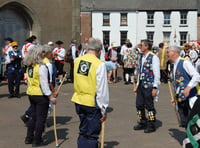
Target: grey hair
[34,56]
[94,44]
[175,49]
[47,49]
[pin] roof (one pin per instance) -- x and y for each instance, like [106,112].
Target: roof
[128,5]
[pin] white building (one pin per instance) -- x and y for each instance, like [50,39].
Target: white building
[117,21]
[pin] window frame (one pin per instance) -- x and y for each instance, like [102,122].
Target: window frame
[150,33]
[183,17]
[123,19]
[150,17]
[123,37]
[167,18]
[166,32]
[106,19]
[106,33]
[182,41]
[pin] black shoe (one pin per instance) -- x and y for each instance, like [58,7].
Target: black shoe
[25,118]
[17,95]
[139,126]
[37,143]
[126,83]
[11,96]
[150,129]
[28,140]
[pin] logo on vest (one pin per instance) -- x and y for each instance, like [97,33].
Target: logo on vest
[84,68]
[30,72]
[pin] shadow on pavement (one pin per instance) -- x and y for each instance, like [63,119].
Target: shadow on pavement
[109,109]
[177,134]
[158,123]
[61,133]
[110,144]
[59,120]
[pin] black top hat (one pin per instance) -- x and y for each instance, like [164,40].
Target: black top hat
[59,42]
[8,39]
[30,40]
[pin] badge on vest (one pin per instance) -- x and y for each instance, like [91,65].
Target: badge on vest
[84,68]
[30,72]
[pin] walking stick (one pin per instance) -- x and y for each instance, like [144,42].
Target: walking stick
[134,86]
[172,96]
[102,134]
[54,113]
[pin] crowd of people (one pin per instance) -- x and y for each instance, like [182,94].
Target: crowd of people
[92,67]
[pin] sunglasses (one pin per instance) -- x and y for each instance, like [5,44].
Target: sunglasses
[15,46]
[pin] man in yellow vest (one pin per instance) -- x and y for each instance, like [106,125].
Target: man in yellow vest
[91,96]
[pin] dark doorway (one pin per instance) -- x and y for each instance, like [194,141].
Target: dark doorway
[14,24]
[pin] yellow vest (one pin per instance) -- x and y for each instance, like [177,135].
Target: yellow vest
[32,73]
[198,89]
[85,68]
[46,60]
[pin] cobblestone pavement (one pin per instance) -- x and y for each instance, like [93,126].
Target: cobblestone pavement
[119,131]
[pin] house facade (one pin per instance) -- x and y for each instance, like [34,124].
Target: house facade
[156,20]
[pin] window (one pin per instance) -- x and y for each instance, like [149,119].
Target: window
[123,37]
[123,19]
[183,19]
[183,38]
[106,19]
[150,18]
[166,36]
[106,37]
[150,36]
[167,17]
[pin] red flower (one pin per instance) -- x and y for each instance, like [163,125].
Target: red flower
[151,73]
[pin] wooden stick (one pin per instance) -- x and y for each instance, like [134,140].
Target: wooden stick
[54,124]
[102,134]
[172,96]
[134,86]
[54,113]
[59,87]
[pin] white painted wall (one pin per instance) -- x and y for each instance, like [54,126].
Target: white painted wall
[137,26]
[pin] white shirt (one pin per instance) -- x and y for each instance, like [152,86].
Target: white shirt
[102,97]
[50,68]
[8,48]
[189,68]
[123,48]
[73,48]
[60,53]
[156,69]
[43,72]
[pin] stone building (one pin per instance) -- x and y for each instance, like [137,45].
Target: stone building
[49,20]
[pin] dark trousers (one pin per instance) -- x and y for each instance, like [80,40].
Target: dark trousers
[72,71]
[183,110]
[59,67]
[90,126]
[164,75]
[144,100]
[14,79]
[39,105]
